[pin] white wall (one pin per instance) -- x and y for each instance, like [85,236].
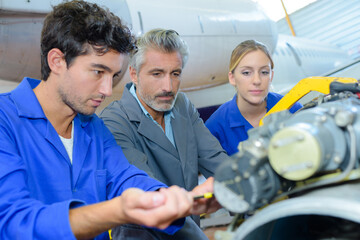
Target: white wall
[7,86]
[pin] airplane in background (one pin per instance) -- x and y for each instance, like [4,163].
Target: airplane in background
[212,29]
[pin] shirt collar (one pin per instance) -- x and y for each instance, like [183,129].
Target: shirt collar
[271,101]
[28,105]
[236,119]
[25,99]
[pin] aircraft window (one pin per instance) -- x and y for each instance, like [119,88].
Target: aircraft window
[288,51]
[293,53]
[299,50]
[201,24]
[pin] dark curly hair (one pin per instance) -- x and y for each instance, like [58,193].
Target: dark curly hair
[74,27]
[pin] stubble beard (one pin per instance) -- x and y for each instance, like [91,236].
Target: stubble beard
[75,103]
[160,106]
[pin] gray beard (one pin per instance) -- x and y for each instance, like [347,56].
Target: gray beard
[152,104]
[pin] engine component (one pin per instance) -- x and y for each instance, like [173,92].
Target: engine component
[316,145]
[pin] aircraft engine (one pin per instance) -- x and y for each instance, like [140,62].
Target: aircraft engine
[310,159]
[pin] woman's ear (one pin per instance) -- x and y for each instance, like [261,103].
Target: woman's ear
[56,60]
[231,79]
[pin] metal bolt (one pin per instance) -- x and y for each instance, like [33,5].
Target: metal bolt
[246,175]
[262,173]
[234,167]
[344,118]
[253,162]
[309,165]
[337,159]
[257,143]
[300,138]
[321,119]
[332,111]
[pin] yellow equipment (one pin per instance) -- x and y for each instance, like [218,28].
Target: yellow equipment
[303,87]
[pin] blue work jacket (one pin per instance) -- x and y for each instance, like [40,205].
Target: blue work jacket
[229,126]
[38,183]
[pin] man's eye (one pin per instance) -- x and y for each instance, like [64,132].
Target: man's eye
[265,72]
[98,72]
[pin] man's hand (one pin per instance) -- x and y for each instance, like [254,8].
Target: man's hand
[152,209]
[204,205]
[155,209]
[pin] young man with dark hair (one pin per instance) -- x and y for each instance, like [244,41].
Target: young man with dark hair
[62,175]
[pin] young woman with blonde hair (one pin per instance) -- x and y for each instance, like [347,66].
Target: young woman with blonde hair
[251,73]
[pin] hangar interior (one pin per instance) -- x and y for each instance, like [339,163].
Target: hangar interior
[333,21]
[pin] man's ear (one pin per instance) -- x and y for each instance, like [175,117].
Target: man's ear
[133,75]
[56,60]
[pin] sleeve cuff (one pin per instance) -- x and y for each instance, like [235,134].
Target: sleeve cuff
[173,228]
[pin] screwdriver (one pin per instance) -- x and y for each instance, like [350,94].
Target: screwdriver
[205,195]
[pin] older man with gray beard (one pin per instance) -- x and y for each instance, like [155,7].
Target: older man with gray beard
[158,128]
